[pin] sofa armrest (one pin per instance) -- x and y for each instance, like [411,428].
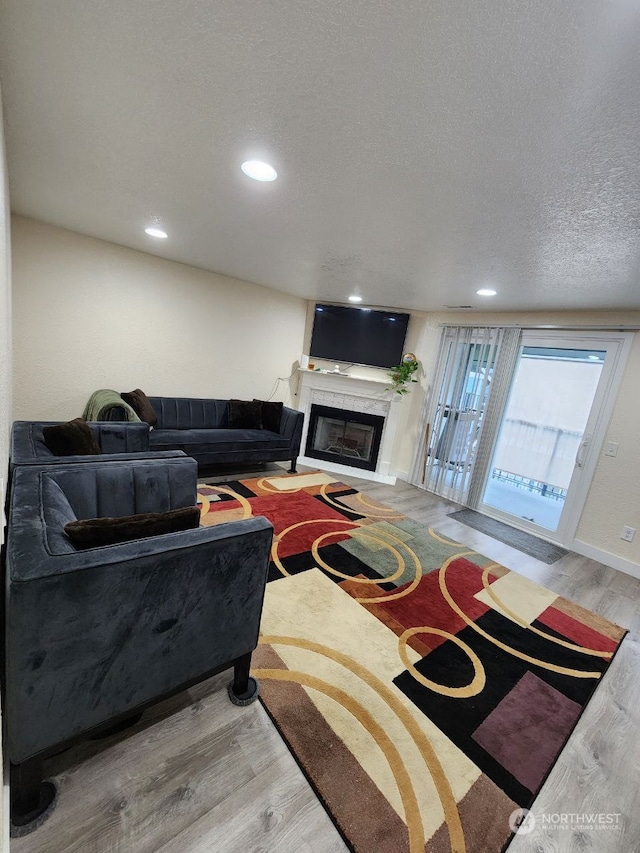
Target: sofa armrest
[291,428]
[103,457]
[26,441]
[149,553]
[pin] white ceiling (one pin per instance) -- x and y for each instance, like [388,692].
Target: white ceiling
[425,149]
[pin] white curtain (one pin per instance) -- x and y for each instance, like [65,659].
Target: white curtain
[462,412]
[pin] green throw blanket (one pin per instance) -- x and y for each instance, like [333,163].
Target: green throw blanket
[101,401]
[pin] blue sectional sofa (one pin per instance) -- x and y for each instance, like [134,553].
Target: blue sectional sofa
[200,427]
[94,635]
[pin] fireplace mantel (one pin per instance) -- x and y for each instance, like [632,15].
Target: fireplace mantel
[355,394]
[331,379]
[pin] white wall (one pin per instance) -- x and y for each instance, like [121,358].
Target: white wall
[614,497]
[89,314]
[5,310]
[5,393]
[613,500]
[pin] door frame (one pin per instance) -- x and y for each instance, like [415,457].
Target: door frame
[598,424]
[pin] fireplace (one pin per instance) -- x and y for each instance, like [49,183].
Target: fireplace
[352,396]
[342,436]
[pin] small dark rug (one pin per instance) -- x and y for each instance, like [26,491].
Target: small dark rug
[547,552]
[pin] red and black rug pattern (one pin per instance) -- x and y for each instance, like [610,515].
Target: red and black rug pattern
[494,669]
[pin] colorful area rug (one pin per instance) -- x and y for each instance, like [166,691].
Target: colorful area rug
[425,690]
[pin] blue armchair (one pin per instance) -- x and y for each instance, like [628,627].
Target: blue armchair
[93,636]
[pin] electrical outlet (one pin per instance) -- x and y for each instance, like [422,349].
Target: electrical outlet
[628,533]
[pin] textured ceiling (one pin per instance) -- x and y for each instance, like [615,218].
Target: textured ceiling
[425,149]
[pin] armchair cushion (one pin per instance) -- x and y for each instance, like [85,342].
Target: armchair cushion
[140,404]
[96,532]
[245,414]
[73,438]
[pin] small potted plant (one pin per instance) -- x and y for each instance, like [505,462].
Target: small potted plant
[402,374]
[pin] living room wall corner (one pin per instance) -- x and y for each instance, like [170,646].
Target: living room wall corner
[5,388]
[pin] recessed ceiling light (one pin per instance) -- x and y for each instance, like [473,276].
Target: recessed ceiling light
[156,232]
[259,171]
[486,291]
[355,298]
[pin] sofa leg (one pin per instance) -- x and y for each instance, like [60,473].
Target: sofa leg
[292,470]
[244,689]
[32,800]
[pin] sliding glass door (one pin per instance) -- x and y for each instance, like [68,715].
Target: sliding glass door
[462,386]
[553,423]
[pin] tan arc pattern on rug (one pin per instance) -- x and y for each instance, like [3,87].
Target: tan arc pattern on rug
[426,784]
[424,689]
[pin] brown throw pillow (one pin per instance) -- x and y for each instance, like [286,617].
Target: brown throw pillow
[140,404]
[73,438]
[96,532]
[271,415]
[245,414]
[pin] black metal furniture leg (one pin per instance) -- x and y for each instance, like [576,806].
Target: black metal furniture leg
[243,690]
[31,798]
[292,470]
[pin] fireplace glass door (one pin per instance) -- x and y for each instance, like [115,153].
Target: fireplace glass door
[343,438]
[348,438]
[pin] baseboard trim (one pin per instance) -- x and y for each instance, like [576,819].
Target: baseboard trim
[332,468]
[400,475]
[612,560]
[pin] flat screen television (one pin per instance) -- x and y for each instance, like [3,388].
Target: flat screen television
[358,335]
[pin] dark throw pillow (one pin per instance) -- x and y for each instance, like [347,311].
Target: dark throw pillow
[245,414]
[271,415]
[96,532]
[71,439]
[140,404]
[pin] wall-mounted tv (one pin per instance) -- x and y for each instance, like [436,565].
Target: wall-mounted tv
[358,335]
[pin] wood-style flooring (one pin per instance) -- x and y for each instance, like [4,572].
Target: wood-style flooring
[199,774]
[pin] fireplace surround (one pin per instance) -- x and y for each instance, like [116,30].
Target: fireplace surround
[359,395]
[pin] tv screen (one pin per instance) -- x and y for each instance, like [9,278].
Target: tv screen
[358,335]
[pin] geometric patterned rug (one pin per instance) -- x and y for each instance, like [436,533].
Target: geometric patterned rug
[424,690]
